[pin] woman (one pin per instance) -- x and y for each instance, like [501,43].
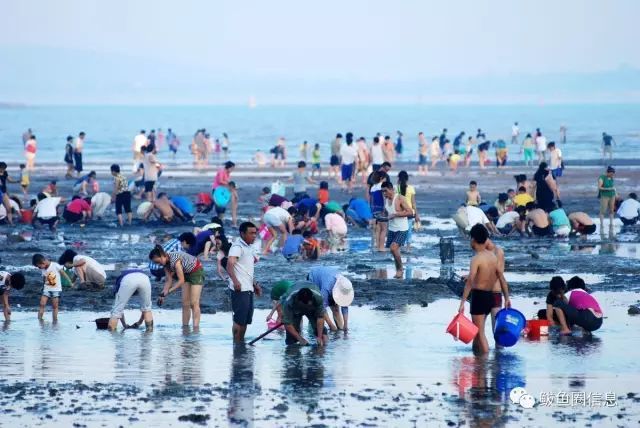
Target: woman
[409,192]
[223,178]
[528,149]
[151,171]
[578,307]
[190,274]
[68,156]
[30,149]
[546,188]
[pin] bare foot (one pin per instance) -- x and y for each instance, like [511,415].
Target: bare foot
[398,274]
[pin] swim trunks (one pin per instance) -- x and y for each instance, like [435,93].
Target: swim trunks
[497,299]
[482,302]
[542,231]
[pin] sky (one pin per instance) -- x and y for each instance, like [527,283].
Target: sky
[284,51]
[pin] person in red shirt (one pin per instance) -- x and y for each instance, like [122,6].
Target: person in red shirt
[77,210]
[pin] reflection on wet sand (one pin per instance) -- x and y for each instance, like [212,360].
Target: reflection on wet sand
[303,375]
[484,384]
[243,388]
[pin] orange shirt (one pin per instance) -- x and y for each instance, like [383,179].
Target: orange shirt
[323,196]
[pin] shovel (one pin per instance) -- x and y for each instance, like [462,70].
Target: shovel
[275,327]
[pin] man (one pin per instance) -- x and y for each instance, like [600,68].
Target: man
[582,223]
[304,302]
[629,210]
[515,133]
[607,146]
[77,153]
[607,195]
[538,219]
[132,282]
[468,216]
[300,178]
[483,274]
[240,267]
[555,160]
[337,294]
[334,161]
[348,156]
[139,141]
[398,209]
[164,209]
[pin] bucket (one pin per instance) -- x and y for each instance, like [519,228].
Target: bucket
[221,196]
[537,328]
[272,323]
[278,188]
[509,325]
[264,233]
[26,216]
[102,323]
[446,250]
[461,328]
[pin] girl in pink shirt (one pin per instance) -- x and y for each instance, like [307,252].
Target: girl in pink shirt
[578,307]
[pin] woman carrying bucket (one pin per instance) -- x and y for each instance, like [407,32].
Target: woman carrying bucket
[223,191]
[483,273]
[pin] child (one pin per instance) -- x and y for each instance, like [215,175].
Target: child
[323,192]
[52,273]
[24,180]
[484,272]
[337,230]
[279,289]
[291,249]
[453,161]
[7,282]
[310,246]
[304,150]
[264,198]
[51,189]
[315,161]
[473,195]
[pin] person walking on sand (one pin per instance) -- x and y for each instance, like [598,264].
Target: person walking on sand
[151,171]
[541,146]
[376,154]
[68,157]
[30,149]
[484,272]
[515,133]
[409,192]
[364,160]
[607,194]
[139,142]
[131,282]
[77,153]
[398,210]
[242,284]
[334,161]
[349,155]
[423,152]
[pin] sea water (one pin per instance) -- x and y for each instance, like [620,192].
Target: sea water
[110,129]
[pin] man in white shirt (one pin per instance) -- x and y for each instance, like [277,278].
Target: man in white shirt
[89,271]
[555,160]
[349,154]
[468,216]
[240,267]
[629,210]
[139,141]
[46,211]
[515,133]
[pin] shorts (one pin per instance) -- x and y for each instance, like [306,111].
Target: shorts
[608,149]
[297,324]
[483,147]
[271,219]
[422,160]
[225,149]
[625,221]
[316,166]
[506,230]
[497,299]
[51,221]
[397,237]
[334,161]
[148,186]
[77,158]
[51,294]
[123,201]
[556,172]
[528,154]
[242,307]
[580,317]
[482,302]
[347,172]
[71,217]
[131,284]
[563,231]
[607,202]
[196,277]
[219,209]
[278,153]
[173,149]
[542,231]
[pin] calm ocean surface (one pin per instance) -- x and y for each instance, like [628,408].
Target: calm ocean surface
[110,129]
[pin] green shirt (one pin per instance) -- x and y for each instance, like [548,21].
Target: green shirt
[315,156]
[293,309]
[607,182]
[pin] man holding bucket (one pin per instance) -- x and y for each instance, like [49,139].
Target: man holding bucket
[485,270]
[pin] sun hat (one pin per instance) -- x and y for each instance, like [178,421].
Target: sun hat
[342,291]
[280,288]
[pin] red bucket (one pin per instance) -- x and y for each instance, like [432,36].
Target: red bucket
[537,328]
[461,328]
[26,216]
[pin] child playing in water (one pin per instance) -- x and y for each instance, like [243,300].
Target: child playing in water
[24,180]
[473,195]
[9,281]
[52,273]
[484,272]
[310,246]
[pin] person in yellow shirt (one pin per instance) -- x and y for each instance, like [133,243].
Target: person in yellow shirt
[453,161]
[522,198]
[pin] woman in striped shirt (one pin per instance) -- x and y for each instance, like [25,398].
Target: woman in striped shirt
[190,274]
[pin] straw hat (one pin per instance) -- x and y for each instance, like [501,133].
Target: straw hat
[342,291]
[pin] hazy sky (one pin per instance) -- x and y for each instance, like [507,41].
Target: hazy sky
[347,40]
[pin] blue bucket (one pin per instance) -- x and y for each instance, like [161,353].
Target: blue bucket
[509,325]
[221,196]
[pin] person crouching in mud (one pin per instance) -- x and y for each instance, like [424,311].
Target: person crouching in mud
[307,302]
[483,273]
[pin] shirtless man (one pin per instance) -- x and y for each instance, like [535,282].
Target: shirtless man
[164,209]
[484,272]
[538,219]
[582,223]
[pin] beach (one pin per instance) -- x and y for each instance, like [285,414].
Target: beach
[396,365]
